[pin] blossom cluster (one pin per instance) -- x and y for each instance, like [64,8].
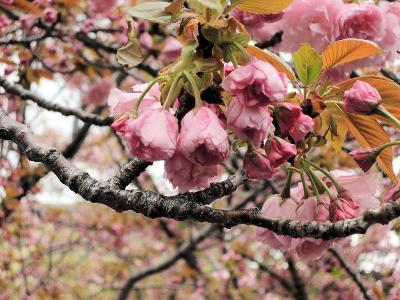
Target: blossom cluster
[358,196]
[194,147]
[324,21]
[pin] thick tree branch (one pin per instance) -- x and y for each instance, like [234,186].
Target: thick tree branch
[182,207]
[353,275]
[183,250]
[18,90]
[128,172]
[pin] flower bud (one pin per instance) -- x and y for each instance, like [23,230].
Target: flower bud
[361,99]
[365,158]
[279,151]
[393,194]
[258,166]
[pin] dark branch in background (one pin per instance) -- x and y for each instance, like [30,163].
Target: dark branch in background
[283,282]
[181,207]
[300,289]
[185,249]
[390,75]
[353,275]
[272,42]
[18,90]
[94,44]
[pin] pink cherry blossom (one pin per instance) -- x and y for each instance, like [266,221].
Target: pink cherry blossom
[102,6]
[359,196]
[311,21]
[360,188]
[308,248]
[49,15]
[390,40]
[146,41]
[152,135]
[279,151]
[171,51]
[259,26]
[361,99]
[252,123]
[186,176]
[258,166]
[257,83]
[99,92]
[121,102]
[27,22]
[202,139]
[361,21]
[4,22]
[276,207]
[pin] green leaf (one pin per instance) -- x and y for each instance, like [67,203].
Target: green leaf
[307,63]
[152,11]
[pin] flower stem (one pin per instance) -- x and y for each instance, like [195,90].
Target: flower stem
[381,111]
[385,146]
[195,88]
[305,188]
[313,184]
[327,174]
[286,190]
[169,100]
[148,88]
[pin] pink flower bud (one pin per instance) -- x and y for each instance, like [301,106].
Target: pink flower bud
[6,2]
[345,209]
[393,194]
[361,99]
[203,140]
[153,135]
[120,125]
[279,151]
[258,166]
[185,175]
[365,158]
[252,123]
[257,83]
[49,15]
[292,121]
[301,128]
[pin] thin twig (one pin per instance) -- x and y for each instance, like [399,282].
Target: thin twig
[353,275]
